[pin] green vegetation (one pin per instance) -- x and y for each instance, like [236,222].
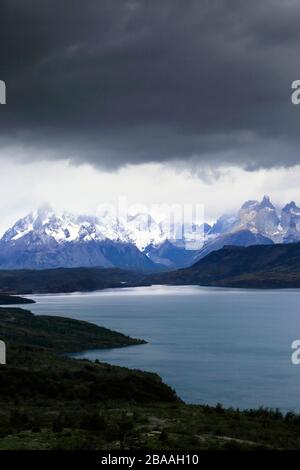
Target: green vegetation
[20,327]
[112,424]
[50,401]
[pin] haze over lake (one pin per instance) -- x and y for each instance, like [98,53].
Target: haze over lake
[210,344]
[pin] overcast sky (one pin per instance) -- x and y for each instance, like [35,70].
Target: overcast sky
[161,100]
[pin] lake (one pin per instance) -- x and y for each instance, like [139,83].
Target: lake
[210,344]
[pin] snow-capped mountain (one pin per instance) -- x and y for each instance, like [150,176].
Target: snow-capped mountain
[290,220]
[49,239]
[46,224]
[259,217]
[257,222]
[45,239]
[143,230]
[223,225]
[263,218]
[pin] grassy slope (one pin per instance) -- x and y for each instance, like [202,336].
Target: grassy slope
[113,424]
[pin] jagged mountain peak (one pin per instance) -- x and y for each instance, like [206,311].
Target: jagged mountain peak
[256,205]
[266,202]
[263,218]
[223,224]
[290,221]
[50,238]
[45,223]
[260,217]
[251,204]
[291,206]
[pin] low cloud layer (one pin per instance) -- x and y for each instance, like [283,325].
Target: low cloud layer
[120,82]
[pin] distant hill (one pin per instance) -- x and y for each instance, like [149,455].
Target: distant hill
[261,266]
[26,281]
[14,300]
[258,266]
[240,238]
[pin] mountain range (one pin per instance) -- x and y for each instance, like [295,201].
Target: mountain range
[47,239]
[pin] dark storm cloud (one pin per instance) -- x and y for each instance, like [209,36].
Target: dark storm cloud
[122,81]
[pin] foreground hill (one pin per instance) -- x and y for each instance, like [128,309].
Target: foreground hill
[36,369]
[259,266]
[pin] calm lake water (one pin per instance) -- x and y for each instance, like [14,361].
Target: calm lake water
[211,345]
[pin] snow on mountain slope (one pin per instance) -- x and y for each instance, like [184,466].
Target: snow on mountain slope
[223,225]
[140,229]
[143,230]
[290,216]
[46,238]
[261,218]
